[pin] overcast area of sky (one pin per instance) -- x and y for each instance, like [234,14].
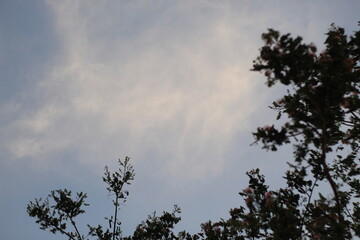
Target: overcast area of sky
[166,83]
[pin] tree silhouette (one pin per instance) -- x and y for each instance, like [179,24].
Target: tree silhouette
[322,123]
[321,116]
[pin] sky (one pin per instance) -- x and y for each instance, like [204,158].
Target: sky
[167,83]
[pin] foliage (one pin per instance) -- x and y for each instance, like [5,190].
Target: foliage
[322,107]
[59,209]
[56,215]
[158,227]
[322,116]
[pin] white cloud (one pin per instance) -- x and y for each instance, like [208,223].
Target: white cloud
[136,78]
[180,93]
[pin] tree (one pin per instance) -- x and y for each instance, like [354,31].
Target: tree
[322,116]
[59,209]
[322,107]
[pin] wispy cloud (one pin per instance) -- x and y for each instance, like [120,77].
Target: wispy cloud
[180,92]
[166,80]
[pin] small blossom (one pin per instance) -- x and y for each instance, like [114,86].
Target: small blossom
[313,55]
[268,202]
[249,190]
[346,103]
[268,198]
[280,101]
[244,223]
[316,237]
[337,37]
[267,128]
[249,201]
[324,56]
[268,194]
[349,64]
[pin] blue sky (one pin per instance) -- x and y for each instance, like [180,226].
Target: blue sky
[167,83]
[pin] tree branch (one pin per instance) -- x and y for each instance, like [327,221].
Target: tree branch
[115,214]
[328,176]
[76,229]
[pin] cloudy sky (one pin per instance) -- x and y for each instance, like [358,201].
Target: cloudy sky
[167,83]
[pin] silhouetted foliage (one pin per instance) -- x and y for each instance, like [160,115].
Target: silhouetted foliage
[322,123]
[321,109]
[58,216]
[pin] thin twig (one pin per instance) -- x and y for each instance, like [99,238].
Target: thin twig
[76,229]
